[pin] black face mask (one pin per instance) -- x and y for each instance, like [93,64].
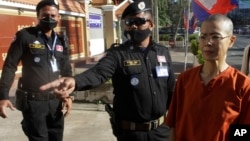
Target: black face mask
[137,36]
[48,23]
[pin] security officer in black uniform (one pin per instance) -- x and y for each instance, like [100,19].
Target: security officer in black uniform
[142,77]
[44,58]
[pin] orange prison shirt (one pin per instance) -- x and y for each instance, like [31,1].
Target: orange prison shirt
[204,113]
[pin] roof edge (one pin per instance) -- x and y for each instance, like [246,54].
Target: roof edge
[33,7]
[123,3]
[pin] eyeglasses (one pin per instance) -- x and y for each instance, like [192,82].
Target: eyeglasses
[214,38]
[136,21]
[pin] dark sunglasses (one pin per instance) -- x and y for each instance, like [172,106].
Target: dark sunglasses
[135,21]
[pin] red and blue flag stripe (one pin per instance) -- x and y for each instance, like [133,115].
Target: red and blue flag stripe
[203,8]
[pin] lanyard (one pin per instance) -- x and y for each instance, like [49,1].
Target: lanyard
[51,49]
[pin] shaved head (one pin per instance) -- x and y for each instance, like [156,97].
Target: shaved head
[227,22]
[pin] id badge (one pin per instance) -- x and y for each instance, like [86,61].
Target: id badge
[54,64]
[161,71]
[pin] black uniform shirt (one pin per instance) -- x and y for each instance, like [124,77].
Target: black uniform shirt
[139,94]
[30,48]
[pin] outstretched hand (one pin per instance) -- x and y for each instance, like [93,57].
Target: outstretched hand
[5,104]
[62,87]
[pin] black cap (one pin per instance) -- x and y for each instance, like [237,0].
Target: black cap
[43,3]
[136,7]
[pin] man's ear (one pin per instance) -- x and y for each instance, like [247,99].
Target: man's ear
[152,25]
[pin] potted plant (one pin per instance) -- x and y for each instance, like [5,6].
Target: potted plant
[164,39]
[198,58]
[179,41]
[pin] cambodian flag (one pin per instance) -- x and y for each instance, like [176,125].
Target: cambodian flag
[203,8]
[186,20]
[193,23]
[190,23]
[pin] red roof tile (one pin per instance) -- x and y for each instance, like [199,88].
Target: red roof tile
[66,5]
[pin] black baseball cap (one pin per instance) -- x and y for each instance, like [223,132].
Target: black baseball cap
[43,3]
[136,7]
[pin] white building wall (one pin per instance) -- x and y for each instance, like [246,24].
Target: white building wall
[97,45]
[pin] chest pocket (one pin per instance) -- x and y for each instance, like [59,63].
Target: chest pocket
[58,54]
[132,67]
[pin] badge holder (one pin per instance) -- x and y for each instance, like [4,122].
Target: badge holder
[162,71]
[53,64]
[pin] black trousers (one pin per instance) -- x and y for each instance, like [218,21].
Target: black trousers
[43,120]
[159,134]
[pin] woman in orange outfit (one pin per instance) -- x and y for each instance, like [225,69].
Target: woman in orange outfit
[209,98]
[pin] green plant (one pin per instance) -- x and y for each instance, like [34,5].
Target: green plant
[164,37]
[161,37]
[200,57]
[179,38]
[194,46]
[196,51]
[192,37]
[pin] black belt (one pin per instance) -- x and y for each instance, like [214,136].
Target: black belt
[144,126]
[38,95]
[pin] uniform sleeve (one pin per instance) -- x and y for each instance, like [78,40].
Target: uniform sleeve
[99,74]
[10,65]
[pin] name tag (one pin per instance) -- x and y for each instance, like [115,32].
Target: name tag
[132,63]
[162,71]
[54,64]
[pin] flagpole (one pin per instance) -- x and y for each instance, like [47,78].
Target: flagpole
[187,35]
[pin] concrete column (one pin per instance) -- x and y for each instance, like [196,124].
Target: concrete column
[109,2]
[86,28]
[109,25]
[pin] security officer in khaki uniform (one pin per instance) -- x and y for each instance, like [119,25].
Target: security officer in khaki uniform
[43,58]
[142,77]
